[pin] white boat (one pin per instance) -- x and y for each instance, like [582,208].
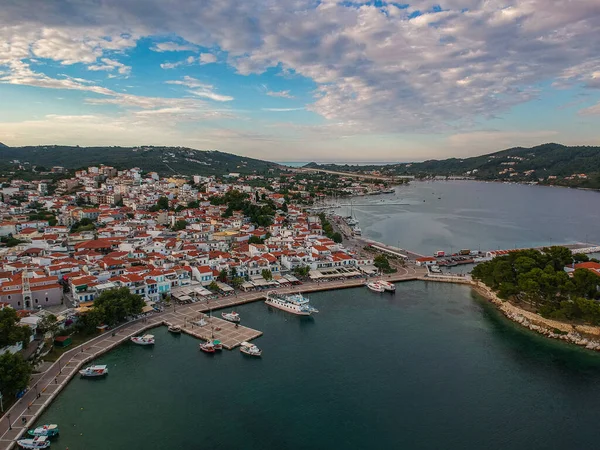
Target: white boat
[94,371]
[391,287]
[357,231]
[250,349]
[293,303]
[231,317]
[36,442]
[175,329]
[375,286]
[44,430]
[146,339]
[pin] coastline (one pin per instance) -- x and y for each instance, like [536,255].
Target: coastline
[587,336]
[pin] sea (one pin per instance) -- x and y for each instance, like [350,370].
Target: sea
[432,366]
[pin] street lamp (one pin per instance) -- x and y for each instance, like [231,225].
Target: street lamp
[9,424]
[59,367]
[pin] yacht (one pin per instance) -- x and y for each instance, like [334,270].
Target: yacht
[94,371]
[231,317]
[293,303]
[391,287]
[36,442]
[375,286]
[44,430]
[175,329]
[356,231]
[250,349]
[146,339]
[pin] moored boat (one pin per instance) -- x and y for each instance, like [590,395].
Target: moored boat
[44,430]
[207,347]
[231,317]
[146,339]
[386,285]
[36,442]
[217,344]
[94,371]
[250,349]
[293,303]
[175,329]
[375,286]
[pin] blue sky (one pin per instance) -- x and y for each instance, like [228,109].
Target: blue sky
[302,80]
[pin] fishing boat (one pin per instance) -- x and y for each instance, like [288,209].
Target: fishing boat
[146,339]
[94,371]
[175,329]
[375,286]
[44,430]
[207,347]
[231,317]
[293,303]
[36,442]
[390,287]
[250,349]
[217,344]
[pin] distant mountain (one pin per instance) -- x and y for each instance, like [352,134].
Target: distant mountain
[3,145]
[164,160]
[517,164]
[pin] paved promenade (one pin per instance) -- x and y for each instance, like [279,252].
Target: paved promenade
[45,387]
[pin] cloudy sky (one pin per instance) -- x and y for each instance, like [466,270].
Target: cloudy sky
[301,80]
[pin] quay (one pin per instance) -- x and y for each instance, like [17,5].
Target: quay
[47,385]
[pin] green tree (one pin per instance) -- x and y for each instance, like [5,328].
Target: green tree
[213,286]
[255,240]
[222,277]
[267,274]
[15,374]
[237,282]
[232,272]
[11,332]
[115,305]
[48,324]
[337,237]
[382,263]
[180,225]
[302,271]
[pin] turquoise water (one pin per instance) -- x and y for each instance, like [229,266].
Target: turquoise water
[430,367]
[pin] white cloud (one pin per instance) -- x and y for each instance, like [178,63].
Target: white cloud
[282,109]
[109,65]
[174,47]
[282,94]
[207,58]
[201,89]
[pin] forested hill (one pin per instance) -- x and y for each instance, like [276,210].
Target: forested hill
[164,160]
[3,145]
[517,164]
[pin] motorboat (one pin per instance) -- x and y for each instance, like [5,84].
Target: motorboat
[231,317]
[293,303]
[146,339]
[207,347]
[44,430]
[250,349]
[386,285]
[94,371]
[217,344]
[375,286]
[175,329]
[36,442]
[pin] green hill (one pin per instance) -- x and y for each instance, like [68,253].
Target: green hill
[515,164]
[2,145]
[164,160]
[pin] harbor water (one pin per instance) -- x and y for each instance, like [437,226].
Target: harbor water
[433,366]
[451,215]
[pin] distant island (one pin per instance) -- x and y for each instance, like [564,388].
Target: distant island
[549,164]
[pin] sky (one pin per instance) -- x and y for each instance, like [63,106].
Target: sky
[302,80]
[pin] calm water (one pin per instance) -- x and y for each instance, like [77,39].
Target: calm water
[464,214]
[431,367]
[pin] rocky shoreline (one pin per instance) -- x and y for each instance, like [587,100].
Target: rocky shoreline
[583,335]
